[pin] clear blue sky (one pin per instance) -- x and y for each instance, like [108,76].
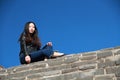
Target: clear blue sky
[74,26]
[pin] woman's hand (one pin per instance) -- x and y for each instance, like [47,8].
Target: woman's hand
[49,43]
[27,59]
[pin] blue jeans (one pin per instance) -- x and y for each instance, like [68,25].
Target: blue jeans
[45,52]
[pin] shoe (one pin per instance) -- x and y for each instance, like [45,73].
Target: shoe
[57,54]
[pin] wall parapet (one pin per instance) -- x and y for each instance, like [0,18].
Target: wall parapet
[102,64]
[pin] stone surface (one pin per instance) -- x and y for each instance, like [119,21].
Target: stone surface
[102,64]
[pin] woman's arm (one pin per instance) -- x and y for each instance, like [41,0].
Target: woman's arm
[24,45]
[27,57]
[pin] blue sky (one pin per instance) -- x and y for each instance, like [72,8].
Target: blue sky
[74,26]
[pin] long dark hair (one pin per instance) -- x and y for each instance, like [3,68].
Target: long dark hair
[30,38]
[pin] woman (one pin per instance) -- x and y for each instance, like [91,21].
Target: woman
[30,46]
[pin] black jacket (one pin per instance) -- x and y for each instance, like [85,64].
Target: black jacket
[26,49]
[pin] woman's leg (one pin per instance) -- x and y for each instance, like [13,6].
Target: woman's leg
[41,54]
[37,56]
[47,51]
[54,53]
[50,53]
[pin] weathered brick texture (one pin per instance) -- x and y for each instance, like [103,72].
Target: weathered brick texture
[102,64]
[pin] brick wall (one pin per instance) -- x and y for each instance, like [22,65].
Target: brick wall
[96,65]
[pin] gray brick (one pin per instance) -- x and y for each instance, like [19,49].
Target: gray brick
[34,76]
[117,52]
[88,66]
[89,53]
[3,76]
[98,71]
[118,78]
[55,62]
[103,54]
[117,59]
[60,67]
[118,47]
[83,63]
[106,64]
[110,61]
[77,55]
[49,73]
[115,70]
[71,76]
[40,70]
[3,71]
[56,77]
[71,59]
[10,70]
[107,49]
[18,69]
[18,78]
[105,77]
[86,74]
[38,65]
[20,74]
[70,70]
[101,65]
[43,74]
[86,78]
[93,57]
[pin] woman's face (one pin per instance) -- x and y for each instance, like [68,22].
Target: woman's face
[31,28]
